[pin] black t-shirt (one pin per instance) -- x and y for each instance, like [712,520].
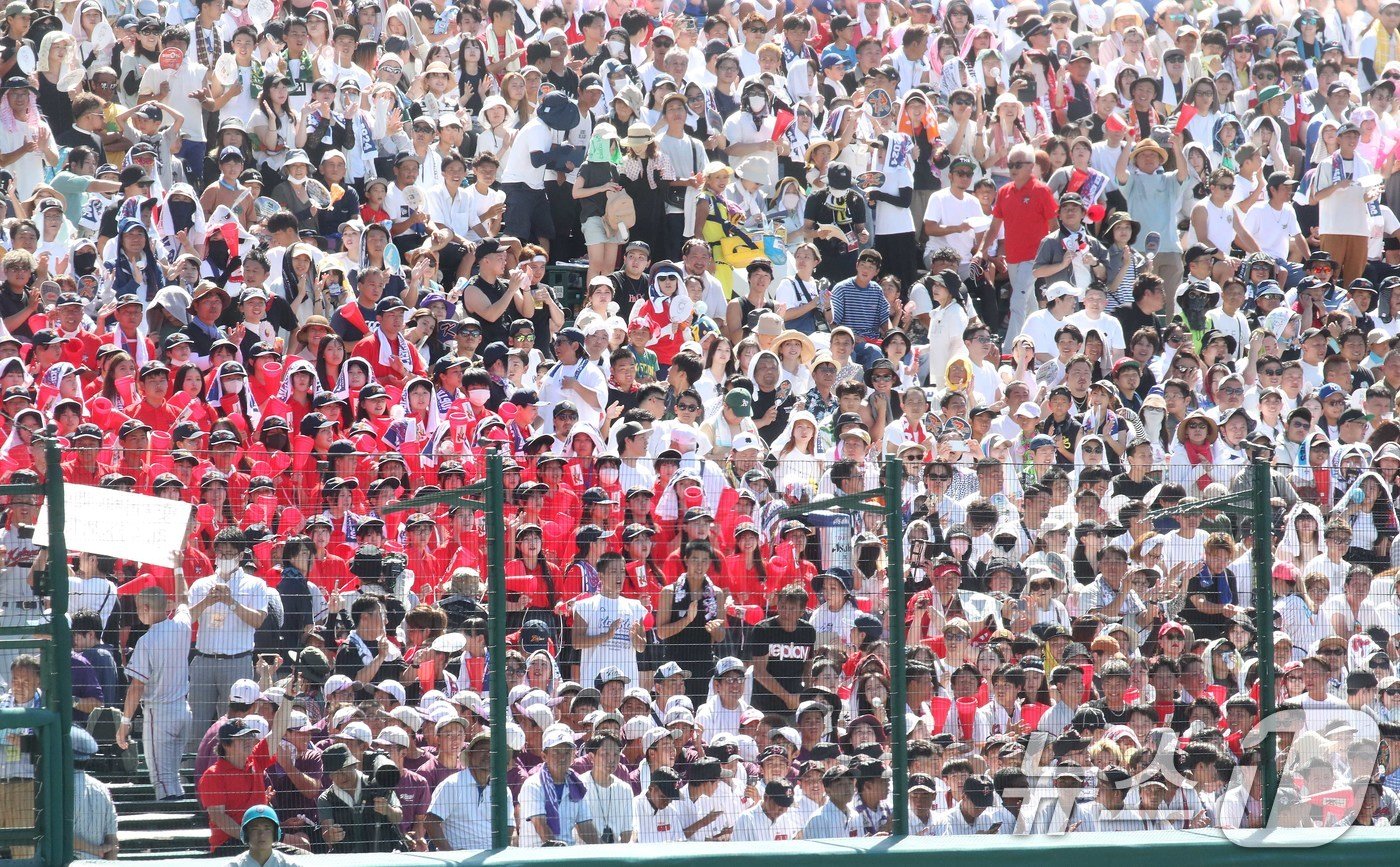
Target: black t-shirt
[494,329]
[1124,486]
[1219,589]
[787,653]
[72,137]
[846,217]
[1113,717]
[10,304]
[628,291]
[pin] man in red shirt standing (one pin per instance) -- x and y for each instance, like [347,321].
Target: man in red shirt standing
[1027,209]
[237,780]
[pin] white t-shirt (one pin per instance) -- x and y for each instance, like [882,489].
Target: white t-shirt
[754,826]
[1040,327]
[1272,229]
[610,806]
[1381,225]
[477,204]
[1108,326]
[600,612]
[553,390]
[831,823]
[1343,212]
[946,209]
[517,168]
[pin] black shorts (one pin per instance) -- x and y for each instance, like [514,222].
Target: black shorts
[528,214]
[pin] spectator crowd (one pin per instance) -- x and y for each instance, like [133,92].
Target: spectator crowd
[692,268]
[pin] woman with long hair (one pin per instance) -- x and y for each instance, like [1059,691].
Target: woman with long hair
[645,174]
[330,364]
[274,129]
[691,618]
[719,366]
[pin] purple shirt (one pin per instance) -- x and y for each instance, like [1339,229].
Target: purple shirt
[287,799]
[414,797]
[85,684]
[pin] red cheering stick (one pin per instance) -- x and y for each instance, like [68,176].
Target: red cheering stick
[1188,112]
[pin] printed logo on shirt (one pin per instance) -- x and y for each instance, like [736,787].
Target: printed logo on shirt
[789,651]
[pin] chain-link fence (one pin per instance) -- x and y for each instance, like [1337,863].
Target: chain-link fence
[816,645]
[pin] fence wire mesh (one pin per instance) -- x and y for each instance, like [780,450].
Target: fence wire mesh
[702,650]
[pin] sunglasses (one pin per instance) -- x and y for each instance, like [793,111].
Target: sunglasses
[1272,371]
[471,332]
[1019,164]
[963,102]
[687,407]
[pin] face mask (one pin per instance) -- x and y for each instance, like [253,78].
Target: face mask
[617,46]
[757,103]
[84,263]
[789,203]
[233,386]
[478,396]
[225,565]
[1152,419]
[959,546]
[608,475]
[181,214]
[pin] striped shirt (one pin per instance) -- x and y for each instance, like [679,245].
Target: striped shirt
[94,814]
[863,309]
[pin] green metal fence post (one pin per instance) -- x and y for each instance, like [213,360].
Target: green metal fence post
[496,604]
[899,687]
[59,803]
[1263,515]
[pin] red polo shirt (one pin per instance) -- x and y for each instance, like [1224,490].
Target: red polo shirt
[1025,213]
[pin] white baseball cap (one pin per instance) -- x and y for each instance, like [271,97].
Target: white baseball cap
[335,683]
[357,731]
[394,689]
[409,717]
[257,723]
[636,727]
[538,714]
[394,735]
[244,691]
[1059,290]
[653,736]
[557,735]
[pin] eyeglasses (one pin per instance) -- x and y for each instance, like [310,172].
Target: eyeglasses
[1197,425]
[883,377]
[1019,164]
[1335,651]
[939,477]
[962,173]
[1393,692]
[1093,448]
[981,338]
[1185,368]
[963,101]
[471,332]
[1234,391]
[526,337]
[1271,371]
[687,407]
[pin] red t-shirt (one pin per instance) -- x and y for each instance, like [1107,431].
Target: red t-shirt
[1025,213]
[235,789]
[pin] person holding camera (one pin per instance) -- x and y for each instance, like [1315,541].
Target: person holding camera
[359,810]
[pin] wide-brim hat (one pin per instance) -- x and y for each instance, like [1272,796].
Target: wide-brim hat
[809,351]
[1116,219]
